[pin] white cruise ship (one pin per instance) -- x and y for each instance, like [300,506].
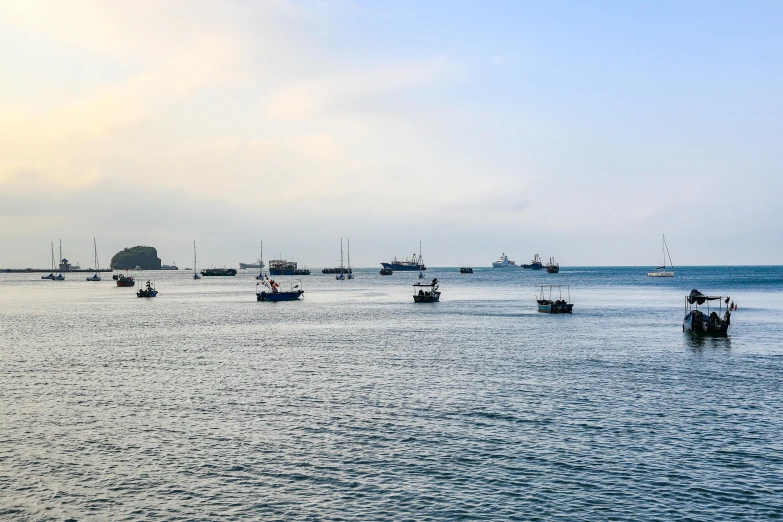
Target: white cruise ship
[503,262]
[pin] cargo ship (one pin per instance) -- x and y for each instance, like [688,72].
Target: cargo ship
[257,264]
[416,263]
[219,272]
[282,267]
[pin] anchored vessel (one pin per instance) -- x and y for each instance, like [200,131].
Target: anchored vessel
[195,270]
[711,323]
[535,264]
[426,292]
[503,262]
[547,305]
[283,267]
[465,270]
[147,291]
[257,264]
[271,291]
[95,277]
[124,280]
[416,263]
[386,271]
[553,266]
[219,272]
[661,271]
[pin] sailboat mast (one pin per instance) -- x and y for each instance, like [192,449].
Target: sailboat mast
[261,261]
[52,245]
[349,254]
[341,256]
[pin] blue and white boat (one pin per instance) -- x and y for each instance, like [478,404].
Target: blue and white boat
[711,323]
[547,305]
[147,291]
[271,291]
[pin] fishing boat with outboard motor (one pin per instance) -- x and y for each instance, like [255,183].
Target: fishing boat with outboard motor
[124,280]
[426,292]
[272,291]
[711,323]
[147,291]
[547,305]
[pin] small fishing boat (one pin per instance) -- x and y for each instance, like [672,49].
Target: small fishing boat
[426,292]
[553,267]
[124,280]
[272,291]
[147,291]
[95,277]
[711,323]
[465,270]
[386,271]
[661,271]
[547,305]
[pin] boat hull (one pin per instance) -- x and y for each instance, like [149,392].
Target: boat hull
[427,298]
[212,272]
[386,271]
[126,283]
[552,269]
[465,270]
[282,271]
[337,271]
[279,296]
[700,326]
[660,274]
[549,307]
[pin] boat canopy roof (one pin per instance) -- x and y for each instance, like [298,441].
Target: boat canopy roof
[545,285]
[697,297]
[433,283]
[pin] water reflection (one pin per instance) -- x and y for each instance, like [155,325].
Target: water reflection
[706,342]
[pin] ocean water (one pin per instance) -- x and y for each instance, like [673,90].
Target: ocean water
[356,404]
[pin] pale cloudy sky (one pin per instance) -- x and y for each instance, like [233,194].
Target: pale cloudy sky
[577,129]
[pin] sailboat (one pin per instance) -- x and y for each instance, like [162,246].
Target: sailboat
[51,274]
[195,269]
[260,275]
[661,270]
[421,273]
[350,270]
[341,276]
[63,263]
[95,277]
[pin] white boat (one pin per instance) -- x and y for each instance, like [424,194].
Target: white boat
[503,262]
[195,269]
[95,277]
[661,270]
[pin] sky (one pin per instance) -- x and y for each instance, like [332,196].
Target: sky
[579,130]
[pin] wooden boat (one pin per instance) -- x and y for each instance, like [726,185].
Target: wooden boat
[553,267]
[147,291]
[124,280]
[272,291]
[465,270]
[711,323]
[547,305]
[386,271]
[661,271]
[426,292]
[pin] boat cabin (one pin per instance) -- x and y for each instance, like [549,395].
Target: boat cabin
[547,305]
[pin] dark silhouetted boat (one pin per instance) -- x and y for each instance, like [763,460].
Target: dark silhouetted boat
[426,292]
[147,291]
[465,270]
[213,272]
[547,305]
[416,263]
[711,323]
[553,266]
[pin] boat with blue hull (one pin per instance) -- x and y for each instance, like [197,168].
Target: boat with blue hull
[412,265]
[535,264]
[711,323]
[269,290]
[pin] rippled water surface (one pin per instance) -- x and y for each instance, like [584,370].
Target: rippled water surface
[357,404]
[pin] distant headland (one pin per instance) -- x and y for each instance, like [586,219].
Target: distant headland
[145,257]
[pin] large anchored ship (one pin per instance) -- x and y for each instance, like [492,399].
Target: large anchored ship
[503,262]
[416,263]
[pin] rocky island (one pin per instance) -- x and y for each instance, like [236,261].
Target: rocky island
[144,257]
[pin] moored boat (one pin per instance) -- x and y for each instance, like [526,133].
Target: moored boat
[230,272]
[547,305]
[257,264]
[465,270]
[535,264]
[95,277]
[124,280]
[271,291]
[282,267]
[386,271]
[503,262]
[426,292]
[553,267]
[711,323]
[661,271]
[416,263]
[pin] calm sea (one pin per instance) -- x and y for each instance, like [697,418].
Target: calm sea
[356,404]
